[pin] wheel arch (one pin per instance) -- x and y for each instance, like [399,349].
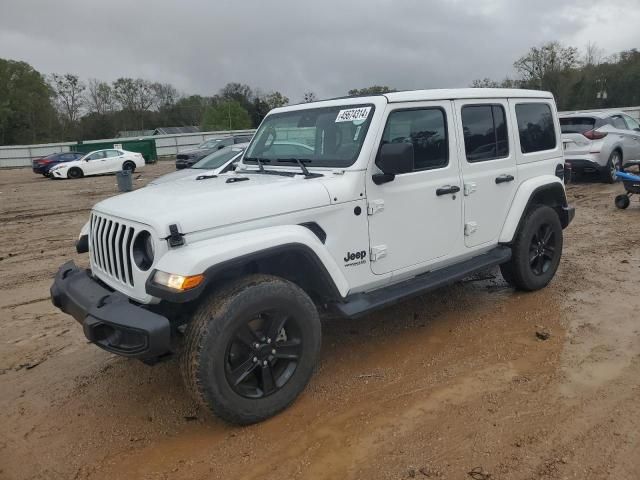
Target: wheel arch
[547,190]
[300,258]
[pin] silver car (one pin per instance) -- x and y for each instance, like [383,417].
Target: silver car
[220,161]
[600,142]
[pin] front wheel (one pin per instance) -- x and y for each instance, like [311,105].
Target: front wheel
[251,349]
[536,250]
[74,173]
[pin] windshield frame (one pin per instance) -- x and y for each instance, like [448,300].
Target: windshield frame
[310,162]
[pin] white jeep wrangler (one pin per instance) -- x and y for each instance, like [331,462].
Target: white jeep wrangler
[339,207]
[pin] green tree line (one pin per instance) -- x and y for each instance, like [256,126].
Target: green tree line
[36,108]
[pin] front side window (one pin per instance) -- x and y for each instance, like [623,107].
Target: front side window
[320,137]
[632,123]
[535,126]
[96,156]
[426,129]
[485,132]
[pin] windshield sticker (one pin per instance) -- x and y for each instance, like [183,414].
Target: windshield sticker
[353,114]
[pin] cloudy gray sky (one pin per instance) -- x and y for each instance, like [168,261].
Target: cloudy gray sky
[326,46]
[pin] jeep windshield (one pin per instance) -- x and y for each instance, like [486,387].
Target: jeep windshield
[319,137]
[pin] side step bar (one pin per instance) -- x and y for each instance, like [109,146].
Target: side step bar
[360,304]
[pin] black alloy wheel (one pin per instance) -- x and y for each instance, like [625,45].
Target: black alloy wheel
[263,354]
[542,249]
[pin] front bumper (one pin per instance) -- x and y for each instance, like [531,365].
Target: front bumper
[108,318]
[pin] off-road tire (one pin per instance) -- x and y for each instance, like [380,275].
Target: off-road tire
[613,164]
[129,165]
[74,173]
[519,272]
[214,325]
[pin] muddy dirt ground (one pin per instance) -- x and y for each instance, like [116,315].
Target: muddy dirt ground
[454,384]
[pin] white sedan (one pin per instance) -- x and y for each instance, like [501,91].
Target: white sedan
[99,162]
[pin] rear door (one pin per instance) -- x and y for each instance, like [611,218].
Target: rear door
[634,138]
[114,160]
[488,167]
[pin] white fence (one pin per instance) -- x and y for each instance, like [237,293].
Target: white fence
[166,145]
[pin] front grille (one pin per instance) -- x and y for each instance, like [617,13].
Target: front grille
[182,156]
[111,242]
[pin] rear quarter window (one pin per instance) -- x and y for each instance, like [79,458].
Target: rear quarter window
[577,124]
[535,126]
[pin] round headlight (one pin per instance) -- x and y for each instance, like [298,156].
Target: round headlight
[143,250]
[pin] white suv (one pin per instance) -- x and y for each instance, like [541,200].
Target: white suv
[383,198]
[601,142]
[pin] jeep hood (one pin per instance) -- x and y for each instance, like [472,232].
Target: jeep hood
[228,199]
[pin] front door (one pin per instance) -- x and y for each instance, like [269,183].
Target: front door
[95,163]
[417,217]
[489,171]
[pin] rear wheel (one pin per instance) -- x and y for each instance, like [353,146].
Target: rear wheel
[251,349]
[622,201]
[613,165]
[75,172]
[536,250]
[129,165]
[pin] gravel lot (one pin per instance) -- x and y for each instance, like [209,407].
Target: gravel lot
[454,384]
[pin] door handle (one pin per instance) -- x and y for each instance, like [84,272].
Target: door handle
[504,179]
[447,190]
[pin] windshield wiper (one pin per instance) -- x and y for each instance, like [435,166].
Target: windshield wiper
[260,162]
[300,162]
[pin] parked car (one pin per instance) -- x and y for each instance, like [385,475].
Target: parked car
[44,164]
[393,195]
[99,162]
[220,161]
[601,142]
[188,158]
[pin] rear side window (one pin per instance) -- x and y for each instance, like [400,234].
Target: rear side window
[577,124]
[618,122]
[632,123]
[426,129]
[485,132]
[535,125]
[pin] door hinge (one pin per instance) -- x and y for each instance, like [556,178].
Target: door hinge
[469,188]
[375,206]
[378,252]
[470,228]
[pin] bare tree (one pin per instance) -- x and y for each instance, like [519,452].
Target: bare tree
[67,90]
[484,83]
[99,97]
[309,97]
[543,62]
[593,55]
[165,94]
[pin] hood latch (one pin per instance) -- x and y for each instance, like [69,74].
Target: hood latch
[175,237]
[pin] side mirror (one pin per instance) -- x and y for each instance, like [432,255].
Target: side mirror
[393,159]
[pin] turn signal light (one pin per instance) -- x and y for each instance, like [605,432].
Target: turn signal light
[178,282]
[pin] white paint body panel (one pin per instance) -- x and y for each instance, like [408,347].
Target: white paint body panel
[412,230]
